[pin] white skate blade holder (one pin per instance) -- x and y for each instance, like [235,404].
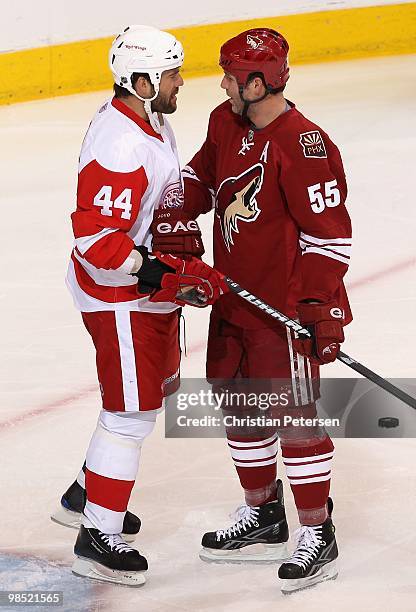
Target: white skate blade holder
[253,553]
[91,569]
[69,518]
[326,572]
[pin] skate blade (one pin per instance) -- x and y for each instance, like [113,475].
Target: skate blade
[327,572]
[254,553]
[86,568]
[69,518]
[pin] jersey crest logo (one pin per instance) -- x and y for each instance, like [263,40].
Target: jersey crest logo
[312,144]
[236,201]
[254,41]
[172,196]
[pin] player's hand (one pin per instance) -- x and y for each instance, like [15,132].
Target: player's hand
[171,279]
[176,233]
[325,322]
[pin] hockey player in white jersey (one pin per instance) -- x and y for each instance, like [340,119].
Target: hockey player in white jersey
[129,301]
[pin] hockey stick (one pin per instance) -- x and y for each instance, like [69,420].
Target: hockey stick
[305,333]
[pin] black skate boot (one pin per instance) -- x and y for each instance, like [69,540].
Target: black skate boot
[73,503]
[107,558]
[259,535]
[314,559]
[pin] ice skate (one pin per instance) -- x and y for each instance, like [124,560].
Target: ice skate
[107,558]
[259,535]
[70,512]
[314,559]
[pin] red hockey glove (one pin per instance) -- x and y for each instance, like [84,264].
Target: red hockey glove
[175,232]
[170,279]
[325,322]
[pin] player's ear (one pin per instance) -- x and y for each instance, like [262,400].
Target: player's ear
[256,84]
[259,84]
[143,87]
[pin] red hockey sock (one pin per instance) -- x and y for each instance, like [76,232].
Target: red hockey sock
[308,468]
[256,463]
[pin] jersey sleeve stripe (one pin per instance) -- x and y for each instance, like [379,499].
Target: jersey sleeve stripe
[188,172]
[325,241]
[84,243]
[327,253]
[339,250]
[343,251]
[105,293]
[335,248]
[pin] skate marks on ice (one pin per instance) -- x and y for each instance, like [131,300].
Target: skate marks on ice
[25,572]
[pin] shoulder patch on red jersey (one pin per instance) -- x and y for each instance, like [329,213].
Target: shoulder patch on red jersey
[312,144]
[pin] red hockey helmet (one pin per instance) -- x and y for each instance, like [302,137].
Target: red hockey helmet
[257,50]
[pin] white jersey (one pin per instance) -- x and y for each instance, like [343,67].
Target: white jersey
[126,171]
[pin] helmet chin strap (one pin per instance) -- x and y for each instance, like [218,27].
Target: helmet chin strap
[248,103]
[156,119]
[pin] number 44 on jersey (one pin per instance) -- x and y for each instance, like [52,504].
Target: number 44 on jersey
[104,199]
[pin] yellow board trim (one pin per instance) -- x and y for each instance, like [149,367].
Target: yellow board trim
[313,37]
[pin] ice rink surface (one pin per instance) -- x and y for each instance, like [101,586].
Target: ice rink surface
[49,395]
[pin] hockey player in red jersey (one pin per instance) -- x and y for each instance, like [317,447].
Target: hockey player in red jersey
[128,169]
[281,231]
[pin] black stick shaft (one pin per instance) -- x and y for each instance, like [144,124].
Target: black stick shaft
[305,333]
[378,380]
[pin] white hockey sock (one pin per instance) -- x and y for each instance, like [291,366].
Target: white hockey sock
[112,462]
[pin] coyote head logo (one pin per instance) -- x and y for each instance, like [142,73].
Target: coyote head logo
[236,201]
[254,41]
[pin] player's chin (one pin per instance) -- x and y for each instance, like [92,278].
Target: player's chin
[235,107]
[165,107]
[171,107]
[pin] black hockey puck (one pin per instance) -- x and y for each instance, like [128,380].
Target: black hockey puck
[388,422]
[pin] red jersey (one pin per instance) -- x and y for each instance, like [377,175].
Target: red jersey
[281,227]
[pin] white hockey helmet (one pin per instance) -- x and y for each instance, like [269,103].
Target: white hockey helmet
[146,50]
